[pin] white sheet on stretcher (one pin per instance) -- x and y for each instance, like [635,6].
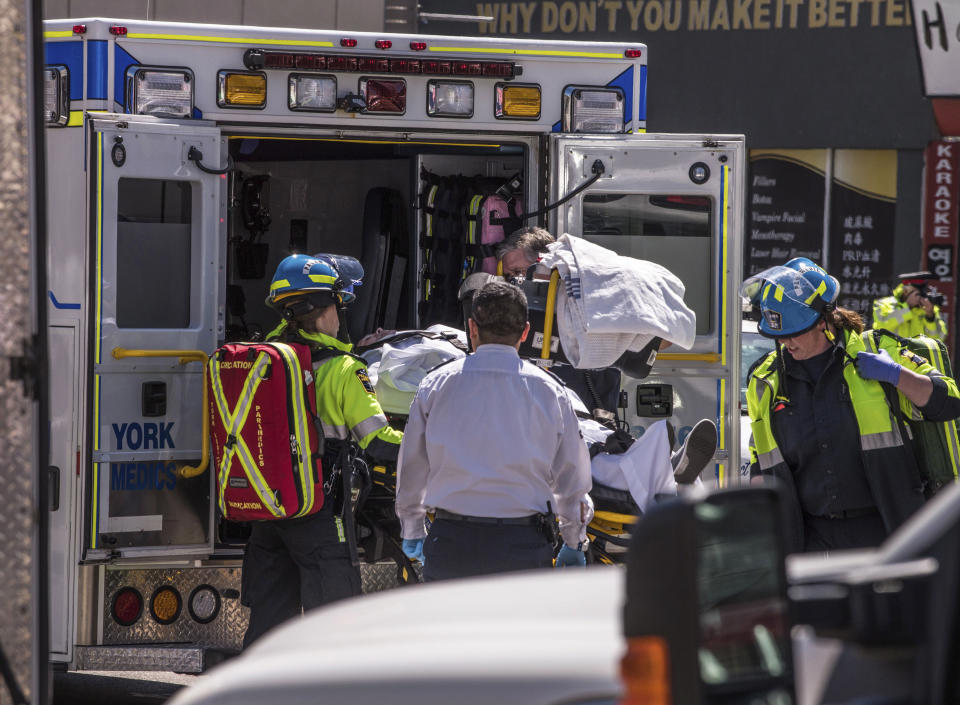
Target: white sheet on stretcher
[609,304]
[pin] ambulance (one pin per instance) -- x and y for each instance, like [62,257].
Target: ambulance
[184,161]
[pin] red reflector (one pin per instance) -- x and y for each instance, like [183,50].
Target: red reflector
[118,30]
[127,606]
[345,42]
[385,96]
[79,29]
[441,68]
[405,65]
[341,63]
[370,63]
[633,53]
[467,68]
[383,44]
[418,46]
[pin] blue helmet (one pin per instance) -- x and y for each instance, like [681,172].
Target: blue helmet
[792,297]
[320,277]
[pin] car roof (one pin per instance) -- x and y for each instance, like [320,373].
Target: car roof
[536,637]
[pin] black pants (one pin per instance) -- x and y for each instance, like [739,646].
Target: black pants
[294,564]
[822,534]
[459,549]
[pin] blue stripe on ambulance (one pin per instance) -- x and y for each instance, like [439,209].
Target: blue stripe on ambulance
[122,60]
[97,69]
[625,82]
[70,54]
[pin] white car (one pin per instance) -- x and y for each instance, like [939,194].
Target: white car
[547,637]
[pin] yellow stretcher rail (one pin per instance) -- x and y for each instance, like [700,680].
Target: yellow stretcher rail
[690,357]
[548,315]
[185,357]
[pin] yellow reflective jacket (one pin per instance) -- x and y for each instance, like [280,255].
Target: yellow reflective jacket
[892,313]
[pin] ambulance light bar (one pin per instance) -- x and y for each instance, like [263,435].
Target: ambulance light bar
[162,92]
[236,89]
[588,109]
[312,92]
[449,98]
[56,95]
[384,96]
[259,59]
[517,101]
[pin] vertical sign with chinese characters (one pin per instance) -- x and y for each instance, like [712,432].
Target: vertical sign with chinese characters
[786,190]
[940,210]
[863,199]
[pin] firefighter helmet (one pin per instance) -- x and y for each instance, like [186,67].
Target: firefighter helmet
[792,297]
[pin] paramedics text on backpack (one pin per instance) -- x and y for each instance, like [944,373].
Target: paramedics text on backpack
[266,444]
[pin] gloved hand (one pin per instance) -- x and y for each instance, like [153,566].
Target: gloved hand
[879,366]
[413,549]
[570,557]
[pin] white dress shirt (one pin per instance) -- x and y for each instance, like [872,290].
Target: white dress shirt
[492,435]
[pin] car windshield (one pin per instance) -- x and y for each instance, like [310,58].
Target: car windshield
[753,346]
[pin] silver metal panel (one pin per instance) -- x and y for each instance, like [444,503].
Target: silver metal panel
[225,631]
[19,580]
[179,659]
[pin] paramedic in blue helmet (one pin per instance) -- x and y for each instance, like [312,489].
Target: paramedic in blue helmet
[303,563]
[820,415]
[491,446]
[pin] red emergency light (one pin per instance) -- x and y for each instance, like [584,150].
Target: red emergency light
[260,59]
[418,46]
[383,44]
[348,43]
[118,30]
[79,29]
[384,96]
[633,53]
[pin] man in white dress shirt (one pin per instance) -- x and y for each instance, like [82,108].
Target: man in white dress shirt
[492,447]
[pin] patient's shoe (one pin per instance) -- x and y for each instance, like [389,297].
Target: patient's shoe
[697,450]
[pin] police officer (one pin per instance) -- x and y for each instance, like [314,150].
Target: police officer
[305,562]
[912,309]
[491,445]
[820,415]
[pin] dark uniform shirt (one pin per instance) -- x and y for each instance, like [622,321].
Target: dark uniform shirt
[818,435]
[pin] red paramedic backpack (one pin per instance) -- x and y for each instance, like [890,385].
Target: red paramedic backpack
[265,440]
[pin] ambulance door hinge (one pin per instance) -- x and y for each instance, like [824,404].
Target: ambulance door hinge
[26,369]
[710,143]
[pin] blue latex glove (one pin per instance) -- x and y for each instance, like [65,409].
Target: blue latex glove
[570,557]
[880,367]
[413,549]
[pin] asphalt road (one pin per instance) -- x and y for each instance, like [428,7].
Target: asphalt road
[116,687]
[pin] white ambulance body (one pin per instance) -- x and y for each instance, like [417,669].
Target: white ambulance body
[165,229]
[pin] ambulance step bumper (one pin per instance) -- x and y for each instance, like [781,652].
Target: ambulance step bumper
[180,658]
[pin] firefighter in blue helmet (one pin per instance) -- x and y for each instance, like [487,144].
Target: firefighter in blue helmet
[820,415]
[303,563]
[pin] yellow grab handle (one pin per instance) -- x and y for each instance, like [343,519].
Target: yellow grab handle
[185,356]
[548,314]
[689,357]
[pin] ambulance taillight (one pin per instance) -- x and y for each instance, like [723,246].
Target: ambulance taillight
[450,99]
[127,606]
[644,672]
[587,109]
[384,96]
[166,605]
[160,92]
[56,95]
[204,604]
[312,93]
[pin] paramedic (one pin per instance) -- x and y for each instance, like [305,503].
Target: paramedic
[521,250]
[912,309]
[305,562]
[488,471]
[821,421]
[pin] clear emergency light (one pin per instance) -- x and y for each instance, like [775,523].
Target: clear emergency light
[588,109]
[56,95]
[239,89]
[162,92]
[312,92]
[384,96]
[450,99]
[516,101]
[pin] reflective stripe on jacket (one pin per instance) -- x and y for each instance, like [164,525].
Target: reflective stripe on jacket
[893,314]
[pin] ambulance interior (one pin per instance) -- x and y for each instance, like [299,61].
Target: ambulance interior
[357,198]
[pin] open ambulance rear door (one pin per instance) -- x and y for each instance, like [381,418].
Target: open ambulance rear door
[156,258]
[676,200]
